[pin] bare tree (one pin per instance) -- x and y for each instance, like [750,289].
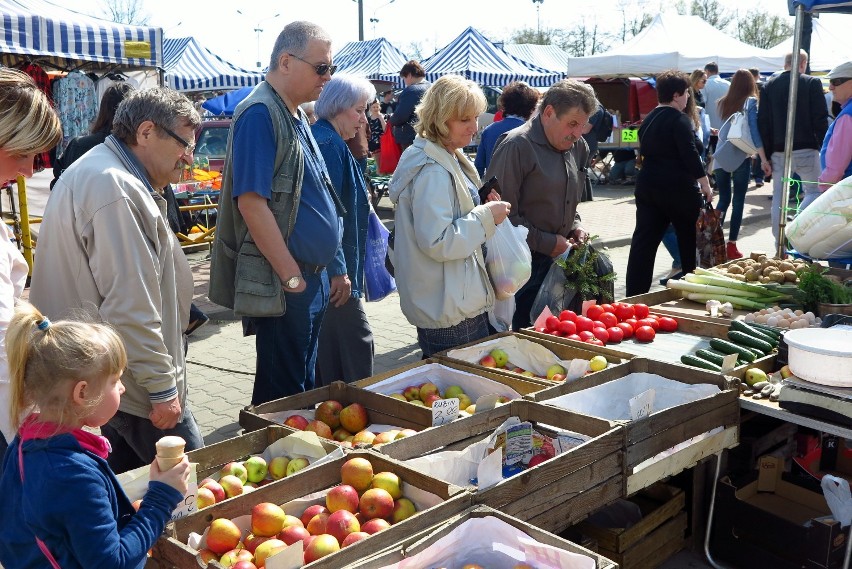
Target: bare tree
[531,35]
[414,50]
[762,29]
[712,12]
[125,12]
[584,40]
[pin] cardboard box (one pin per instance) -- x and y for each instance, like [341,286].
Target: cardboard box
[662,430]
[554,494]
[414,544]
[765,521]
[172,548]
[650,542]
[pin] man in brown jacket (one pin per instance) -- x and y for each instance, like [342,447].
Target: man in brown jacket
[541,170]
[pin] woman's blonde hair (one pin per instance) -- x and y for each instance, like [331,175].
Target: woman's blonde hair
[47,358]
[450,97]
[28,123]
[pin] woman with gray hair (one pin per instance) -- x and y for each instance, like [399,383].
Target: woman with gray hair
[440,224]
[346,341]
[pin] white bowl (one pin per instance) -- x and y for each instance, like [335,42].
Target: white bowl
[821,355]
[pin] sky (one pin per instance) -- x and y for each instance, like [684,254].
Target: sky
[431,24]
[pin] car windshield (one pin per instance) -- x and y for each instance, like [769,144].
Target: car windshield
[212,141]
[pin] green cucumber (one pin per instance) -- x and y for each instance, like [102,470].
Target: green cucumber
[731,348]
[768,330]
[712,357]
[693,361]
[741,326]
[749,341]
[740,361]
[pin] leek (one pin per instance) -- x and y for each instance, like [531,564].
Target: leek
[689,286]
[736,301]
[727,283]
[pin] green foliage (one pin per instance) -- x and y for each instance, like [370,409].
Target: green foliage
[762,29]
[581,273]
[816,288]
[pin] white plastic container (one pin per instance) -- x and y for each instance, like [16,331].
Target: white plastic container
[821,355]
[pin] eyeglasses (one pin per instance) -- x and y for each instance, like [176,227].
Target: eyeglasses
[837,82]
[320,68]
[188,148]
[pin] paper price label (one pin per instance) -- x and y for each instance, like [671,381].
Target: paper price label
[444,411]
[486,402]
[629,135]
[729,362]
[642,405]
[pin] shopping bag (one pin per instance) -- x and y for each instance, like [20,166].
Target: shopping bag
[709,239]
[739,133]
[389,153]
[508,259]
[378,282]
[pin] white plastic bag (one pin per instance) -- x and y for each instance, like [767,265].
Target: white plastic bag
[508,260]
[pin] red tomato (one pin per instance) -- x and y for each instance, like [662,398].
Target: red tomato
[601,334]
[641,310]
[616,334]
[558,333]
[634,323]
[594,311]
[595,342]
[542,329]
[608,308]
[567,327]
[585,335]
[652,322]
[627,329]
[624,311]
[645,334]
[668,324]
[567,315]
[609,319]
[554,332]
[574,337]
[552,323]
[598,324]
[584,323]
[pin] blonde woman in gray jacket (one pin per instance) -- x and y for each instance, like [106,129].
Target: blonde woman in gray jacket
[440,225]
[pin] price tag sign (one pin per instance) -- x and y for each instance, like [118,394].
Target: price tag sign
[444,411]
[486,402]
[729,362]
[629,135]
[291,557]
[642,405]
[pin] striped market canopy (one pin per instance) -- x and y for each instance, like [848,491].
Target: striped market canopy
[547,56]
[374,59]
[472,56]
[45,32]
[191,67]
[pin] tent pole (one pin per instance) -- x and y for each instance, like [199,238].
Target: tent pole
[788,135]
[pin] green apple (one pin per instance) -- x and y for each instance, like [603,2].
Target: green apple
[255,468]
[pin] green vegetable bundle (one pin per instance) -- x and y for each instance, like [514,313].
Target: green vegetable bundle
[704,285]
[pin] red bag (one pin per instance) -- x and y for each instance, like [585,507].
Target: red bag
[710,239]
[389,153]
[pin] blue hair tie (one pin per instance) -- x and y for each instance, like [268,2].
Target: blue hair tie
[44,324]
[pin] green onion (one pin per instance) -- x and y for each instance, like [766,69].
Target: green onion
[710,289]
[736,301]
[724,282]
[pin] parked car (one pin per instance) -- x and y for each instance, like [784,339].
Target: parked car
[211,140]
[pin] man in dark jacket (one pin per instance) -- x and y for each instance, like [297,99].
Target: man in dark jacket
[404,117]
[809,130]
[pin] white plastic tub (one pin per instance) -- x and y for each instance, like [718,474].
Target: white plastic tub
[821,355]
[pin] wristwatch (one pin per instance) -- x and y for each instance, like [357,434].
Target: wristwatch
[293,282]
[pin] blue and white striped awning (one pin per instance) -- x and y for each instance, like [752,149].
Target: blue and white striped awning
[549,57]
[373,59]
[191,67]
[49,33]
[844,6]
[472,56]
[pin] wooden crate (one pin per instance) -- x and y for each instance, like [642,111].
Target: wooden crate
[691,335]
[671,302]
[562,350]
[213,457]
[171,548]
[661,430]
[658,536]
[553,495]
[414,544]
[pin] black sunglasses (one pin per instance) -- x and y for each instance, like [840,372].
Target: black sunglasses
[320,68]
[837,82]
[188,148]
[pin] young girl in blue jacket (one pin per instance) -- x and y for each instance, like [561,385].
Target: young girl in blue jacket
[62,504]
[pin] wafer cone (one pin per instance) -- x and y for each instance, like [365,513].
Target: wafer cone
[169,452]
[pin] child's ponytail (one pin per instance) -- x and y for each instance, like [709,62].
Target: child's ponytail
[22,333]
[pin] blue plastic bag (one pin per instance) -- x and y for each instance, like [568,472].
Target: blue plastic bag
[379,282]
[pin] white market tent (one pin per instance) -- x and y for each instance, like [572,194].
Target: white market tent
[189,66]
[376,59]
[45,33]
[827,50]
[474,57]
[547,56]
[673,41]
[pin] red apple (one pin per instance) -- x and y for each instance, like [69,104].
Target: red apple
[321,429]
[411,392]
[388,436]
[318,524]
[375,525]
[402,509]
[266,550]
[232,485]
[205,556]
[278,467]
[252,541]
[343,497]
[358,473]
[230,558]
[297,422]
[363,437]
[353,418]
[488,361]
[267,519]
[292,534]
[353,537]
[321,546]
[244,565]
[341,523]
[388,481]
[203,497]
[236,469]
[311,511]
[377,503]
[223,535]
[340,434]
[428,389]
[329,413]
[431,398]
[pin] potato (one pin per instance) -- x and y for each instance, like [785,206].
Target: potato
[786,266]
[790,276]
[735,270]
[768,270]
[777,276]
[752,275]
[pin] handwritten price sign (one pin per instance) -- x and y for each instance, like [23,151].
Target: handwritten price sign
[642,405]
[444,411]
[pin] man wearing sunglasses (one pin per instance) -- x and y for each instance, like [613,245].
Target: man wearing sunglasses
[836,154]
[809,127]
[279,221]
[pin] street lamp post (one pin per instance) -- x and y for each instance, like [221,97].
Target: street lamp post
[373,20]
[538,4]
[258,30]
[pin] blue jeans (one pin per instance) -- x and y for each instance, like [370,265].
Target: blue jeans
[670,243]
[740,178]
[756,170]
[287,344]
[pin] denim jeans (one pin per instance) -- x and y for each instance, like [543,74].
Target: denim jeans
[287,344]
[670,243]
[806,165]
[756,170]
[739,177]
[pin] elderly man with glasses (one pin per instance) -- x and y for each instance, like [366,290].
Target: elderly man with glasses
[279,222]
[106,247]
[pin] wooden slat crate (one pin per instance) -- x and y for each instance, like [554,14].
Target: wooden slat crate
[414,544]
[171,549]
[671,302]
[552,495]
[661,430]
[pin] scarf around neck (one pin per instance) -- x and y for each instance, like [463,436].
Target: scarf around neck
[33,429]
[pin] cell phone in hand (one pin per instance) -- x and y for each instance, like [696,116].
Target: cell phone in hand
[486,188]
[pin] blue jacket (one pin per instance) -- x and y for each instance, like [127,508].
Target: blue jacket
[488,140]
[72,501]
[847,110]
[349,182]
